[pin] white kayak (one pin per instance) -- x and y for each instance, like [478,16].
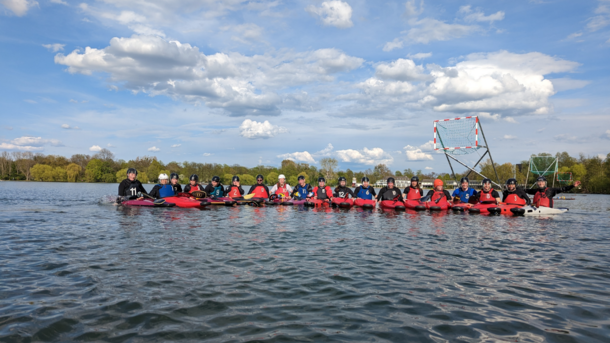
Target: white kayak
[542,211]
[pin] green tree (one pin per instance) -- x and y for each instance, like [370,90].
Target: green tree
[109,178]
[143,177]
[328,168]
[121,175]
[293,181]
[96,169]
[271,178]
[303,173]
[39,172]
[246,179]
[60,174]
[408,173]
[73,172]
[226,179]
[398,173]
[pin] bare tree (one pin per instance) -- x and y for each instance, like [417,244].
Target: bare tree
[24,161]
[104,155]
[328,166]
[5,163]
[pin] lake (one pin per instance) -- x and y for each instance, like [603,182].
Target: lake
[75,267]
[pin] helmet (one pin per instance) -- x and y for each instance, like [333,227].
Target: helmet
[215,179]
[464,179]
[281,177]
[438,182]
[132,170]
[391,180]
[163,176]
[174,176]
[415,178]
[259,176]
[235,178]
[511,181]
[364,178]
[342,179]
[486,180]
[301,177]
[194,177]
[321,179]
[541,178]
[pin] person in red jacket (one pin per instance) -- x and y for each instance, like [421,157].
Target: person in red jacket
[322,192]
[413,192]
[543,196]
[260,190]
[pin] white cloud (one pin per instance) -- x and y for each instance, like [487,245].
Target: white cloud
[35,141]
[176,145]
[606,134]
[30,101]
[253,130]
[19,7]
[74,101]
[60,2]
[429,168]
[206,154]
[401,70]
[54,47]
[241,85]
[8,146]
[68,127]
[365,156]
[246,33]
[298,156]
[426,30]
[154,149]
[420,55]
[95,148]
[110,145]
[510,137]
[333,13]
[478,16]
[574,35]
[417,153]
[564,84]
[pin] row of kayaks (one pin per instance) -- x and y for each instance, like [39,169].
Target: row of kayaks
[185,201]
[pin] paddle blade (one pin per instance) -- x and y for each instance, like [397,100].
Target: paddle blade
[424,199]
[199,194]
[249,196]
[159,201]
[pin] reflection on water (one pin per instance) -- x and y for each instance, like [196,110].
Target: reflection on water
[73,268]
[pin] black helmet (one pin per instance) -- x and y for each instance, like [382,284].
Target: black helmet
[415,178]
[194,177]
[321,179]
[215,179]
[364,178]
[174,176]
[464,179]
[486,181]
[259,176]
[301,177]
[132,170]
[541,178]
[235,178]
[511,181]
[342,179]
[391,179]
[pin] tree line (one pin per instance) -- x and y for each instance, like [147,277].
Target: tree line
[594,172]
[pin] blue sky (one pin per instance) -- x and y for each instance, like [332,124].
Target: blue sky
[250,82]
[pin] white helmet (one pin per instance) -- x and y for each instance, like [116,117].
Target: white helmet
[163,177]
[281,177]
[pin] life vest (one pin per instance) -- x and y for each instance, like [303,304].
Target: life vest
[177,188]
[132,190]
[323,193]
[166,191]
[365,193]
[413,193]
[302,191]
[438,195]
[282,190]
[234,192]
[194,188]
[464,194]
[541,200]
[218,192]
[341,192]
[486,197]
[390,194]
[260,192]
[514,199]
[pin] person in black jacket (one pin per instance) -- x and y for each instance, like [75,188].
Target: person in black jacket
[215,189]
[260,190]
[543,196]
[193,184]
[488,195]
[365,191]
[130,187]
[513,189]
[389,192]
[341,191]
[175,182]
[438,187]
[234,190]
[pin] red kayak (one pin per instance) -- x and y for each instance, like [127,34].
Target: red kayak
[185,202]
[343,203]
[416,205]
[512,210]
[461,207]
[392,205]
[317,202]
[218,201]
[144,202]
[279,201]
[485,209]
[364,203]
[442,205]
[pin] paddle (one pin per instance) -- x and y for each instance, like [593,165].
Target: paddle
[248,196]
[155,201]
[199,194]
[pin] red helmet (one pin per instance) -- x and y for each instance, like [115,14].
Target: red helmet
[438,182]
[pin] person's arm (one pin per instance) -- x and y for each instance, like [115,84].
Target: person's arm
[399,195]
[141,188]
[448,195]
[122,188]
[430,194]
[504,195]
[351,193]
[273,189]
[241,190]
[456,194]
[523,196]
[155,192]
[558,190]
[178,188]
[531,191]
[379,197]
[497,196]
[251,189]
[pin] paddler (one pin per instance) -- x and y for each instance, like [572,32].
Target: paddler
[365,191]
[163,189]
[514,195]
[390,192]
[322,192]
[414,191]
[281,189]
[215,189]
[260,190]
[302,190]
[174,180]
[438,192]
[543,196]
[130,187]
[488,195]
[193,184]
[465,192]
[342,191]
[235,190]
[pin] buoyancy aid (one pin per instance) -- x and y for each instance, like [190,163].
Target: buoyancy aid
[260,192]
[234,192]
[302,191]
[323,193]
[195,188]
[464,195]
[218,192]
[414,194]
[283,190]
[487,197]
[514,199]
[541,199]
[438,195]
[166,191]
[132,190]
[365,193]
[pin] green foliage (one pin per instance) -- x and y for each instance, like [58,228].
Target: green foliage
[292,181]
[73,172]
[226,179]
[398,173]
[143,177]
[271,178]
[307,178]
[121,175]
[246,179]
[96,169]
[109,178]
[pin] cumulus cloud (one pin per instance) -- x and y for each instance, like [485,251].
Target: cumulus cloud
[19,7]
[206,154]
[365,156]
[154,149]
[478,16]
[564,84]
[29,143]
[253,130]
[419,153]
[510,137]
[176,145]
[401,70]
[426,30]
[420,55]
[305,156]
[333,13]
[241,85]
[54,47]
[606,134]
[95,148]
[68,127]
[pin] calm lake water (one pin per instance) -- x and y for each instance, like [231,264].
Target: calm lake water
[74,267]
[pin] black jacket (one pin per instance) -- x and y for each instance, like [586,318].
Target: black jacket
[389,194]
[550,192]
[130,189]
[446,192]
[519,192]
[341,192]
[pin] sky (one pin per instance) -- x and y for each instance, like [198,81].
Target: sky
[255,82]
